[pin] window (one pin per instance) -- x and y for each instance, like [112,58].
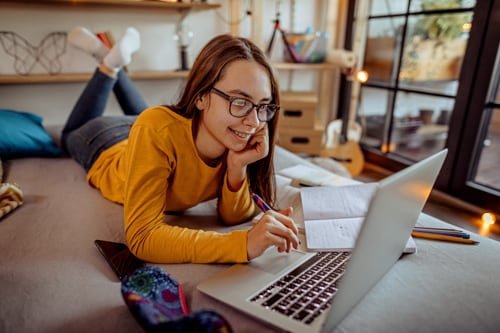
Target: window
[413,56]
[433,83]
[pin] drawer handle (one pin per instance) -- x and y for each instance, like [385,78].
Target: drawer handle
[293,113]
[300,140]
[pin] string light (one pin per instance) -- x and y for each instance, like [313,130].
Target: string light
[488,218]
[466,27]
[362,76]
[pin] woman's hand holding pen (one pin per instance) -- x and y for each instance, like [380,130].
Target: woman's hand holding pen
[273,229]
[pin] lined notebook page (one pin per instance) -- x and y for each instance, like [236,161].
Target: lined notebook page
[333,216]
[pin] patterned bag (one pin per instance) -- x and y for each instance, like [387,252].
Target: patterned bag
[157,302]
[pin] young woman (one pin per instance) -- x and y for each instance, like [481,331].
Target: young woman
[217,141]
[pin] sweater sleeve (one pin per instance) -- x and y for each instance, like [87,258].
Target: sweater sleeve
[150,162]
[235,207]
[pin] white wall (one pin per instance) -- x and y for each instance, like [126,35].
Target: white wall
[158,48]
[158,51]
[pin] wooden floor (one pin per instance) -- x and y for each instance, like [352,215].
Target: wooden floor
[443,207]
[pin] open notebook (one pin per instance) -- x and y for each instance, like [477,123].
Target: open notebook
[333,216]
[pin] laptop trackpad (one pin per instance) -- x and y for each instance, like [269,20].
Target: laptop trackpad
[273,262]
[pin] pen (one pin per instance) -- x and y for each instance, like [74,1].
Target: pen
[443,232]
[260,203]
[443,237]
[437,229]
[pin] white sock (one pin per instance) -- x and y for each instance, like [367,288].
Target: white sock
[86,41]
[121,53]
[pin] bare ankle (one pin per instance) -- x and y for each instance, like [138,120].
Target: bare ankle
[108,71]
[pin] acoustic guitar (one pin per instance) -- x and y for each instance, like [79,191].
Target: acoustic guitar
[343,137]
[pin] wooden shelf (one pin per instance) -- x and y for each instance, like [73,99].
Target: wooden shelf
[84,77]
[159,4]
[320,97]
[139,75]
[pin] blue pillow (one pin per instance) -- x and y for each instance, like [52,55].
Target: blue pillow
[22,135]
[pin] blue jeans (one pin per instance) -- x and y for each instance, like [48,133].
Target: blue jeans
[87,132]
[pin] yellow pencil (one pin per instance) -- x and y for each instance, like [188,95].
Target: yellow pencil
[443,238]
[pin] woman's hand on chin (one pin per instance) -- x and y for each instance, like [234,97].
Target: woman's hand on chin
[256,149]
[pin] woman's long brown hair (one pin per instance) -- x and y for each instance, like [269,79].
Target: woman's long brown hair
[207,70]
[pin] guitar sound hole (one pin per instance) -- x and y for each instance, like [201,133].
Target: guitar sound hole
[344,160]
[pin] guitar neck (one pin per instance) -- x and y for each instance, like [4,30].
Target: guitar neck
[346,96]
[347,79]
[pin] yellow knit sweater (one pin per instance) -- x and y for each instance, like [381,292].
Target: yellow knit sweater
[158,169]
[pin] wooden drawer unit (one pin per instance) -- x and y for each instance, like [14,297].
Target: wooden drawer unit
[298,109]
[301,140]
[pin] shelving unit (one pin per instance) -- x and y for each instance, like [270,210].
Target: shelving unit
[182,7]
[304,114]
[325,82]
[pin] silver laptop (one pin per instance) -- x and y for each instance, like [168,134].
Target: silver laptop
[313,292]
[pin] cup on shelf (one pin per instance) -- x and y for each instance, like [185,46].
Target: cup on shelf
[309,47]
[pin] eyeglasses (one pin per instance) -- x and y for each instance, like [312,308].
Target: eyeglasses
[241,107]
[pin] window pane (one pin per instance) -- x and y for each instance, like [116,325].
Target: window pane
[372,116]
[488,142]
[443,87]
[420,125]
[489,154]
[434,49]
[426,5]
[382,49]
[384,7]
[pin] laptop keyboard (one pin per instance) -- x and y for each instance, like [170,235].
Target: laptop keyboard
[308,290]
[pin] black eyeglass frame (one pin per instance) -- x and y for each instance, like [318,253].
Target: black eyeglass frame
[270,109]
